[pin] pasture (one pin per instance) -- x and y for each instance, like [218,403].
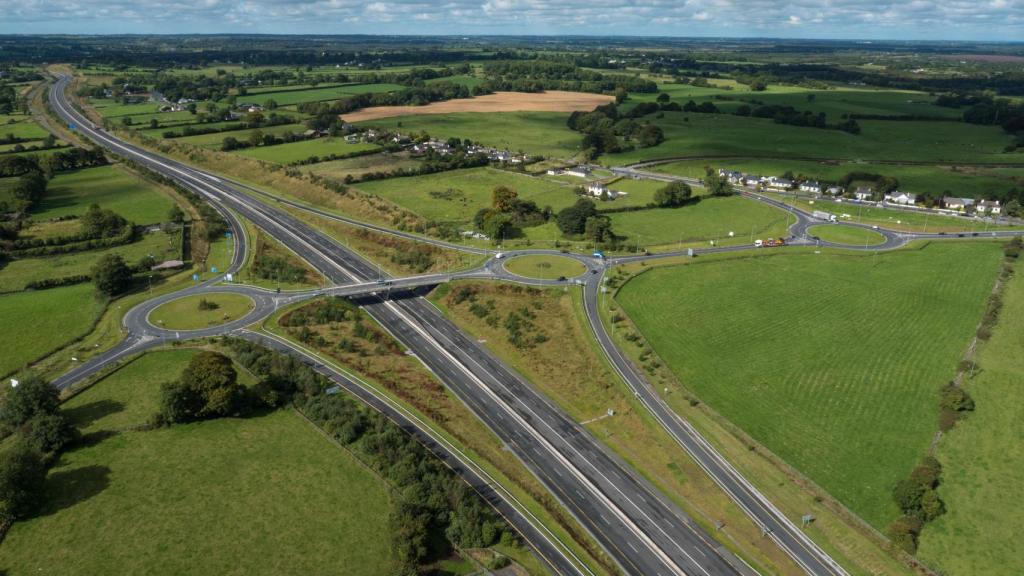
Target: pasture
[71,193]
[33,327]
[548,101]
[297,151]
[359,165]
[215,140]
[184,499]
[188,313]
[456,196]
[709,219]
[288,97]
[543,133]
[704,135]
[854,235]
[832,361]
[982,458]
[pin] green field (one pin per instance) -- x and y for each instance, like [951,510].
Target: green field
[545,267]
[110,187]
[832,361]
[24,129]
[295,151]
[287,97]
[261,495]
[853,235]
[359,165]
[185,314]
[33,329]
[969,181]
[702,135]
[214,140]
[709,219]
[17,273]
[543,133]
[982,458]
[456,196]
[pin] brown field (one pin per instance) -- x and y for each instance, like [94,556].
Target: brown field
[550,101]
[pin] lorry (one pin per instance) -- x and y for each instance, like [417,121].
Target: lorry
[822,215]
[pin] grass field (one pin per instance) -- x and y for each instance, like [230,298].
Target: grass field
[260,495]
[17,273]
[700,135]
[24,129]
[709,219]
[497,102]
[294,151]
[110,187]
[962,181]
[982,458]
[543,133]
[545,267]
[456,196]
[32,328]
[286,97]
[823,358]
[215,140]
[359,165]
[853,235]
[185,313]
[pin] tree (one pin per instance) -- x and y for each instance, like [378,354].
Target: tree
[208,387]
[573,220]
[176,214]
[31,397]
[111,275]
[230,143]
[598,229]
[673,194]
[503,198]
[663,98]
[30,187]
[651,135]
[717,185]
[100,223]
[49,432]
[22,472]
[907,495]
[620,95]
[255,138]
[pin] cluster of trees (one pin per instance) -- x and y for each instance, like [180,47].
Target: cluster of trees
[606,131]
[508,213]
[9,101]
[583,219]
[882,184]
[412,96]
[920,503]
[71,159]
[431,164]
[28,190]
[101,222]
[540,75]
[31,412]
[207,388]
[673,194]
[717,185]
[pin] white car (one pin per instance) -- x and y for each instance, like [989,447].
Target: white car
[499,255]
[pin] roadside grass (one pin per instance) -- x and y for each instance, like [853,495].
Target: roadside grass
[296,151]
[971,181]
[19,272]
[568,369]
[711,219]
[406,381]
[982,458]
[39,322]
[701,135]
[262,245]
[188,313]
[543,133]
[194,489]
[456,196]
[545,267]
[359,165]
[851,235]
[892,218]
[112,187]
[824,359]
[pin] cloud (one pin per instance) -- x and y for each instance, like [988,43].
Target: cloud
[898,19]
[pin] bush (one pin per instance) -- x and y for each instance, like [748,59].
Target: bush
[22,472]
[32,397]
[904,532]
[111,275]
[49,433]
[206,305]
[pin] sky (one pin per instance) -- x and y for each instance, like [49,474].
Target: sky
[841,19]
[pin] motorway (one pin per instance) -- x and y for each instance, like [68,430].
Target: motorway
[640,528]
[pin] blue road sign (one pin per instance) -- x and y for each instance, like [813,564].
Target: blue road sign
[227,234]
[71,125]
[195,277]
[213,269]
[598,254]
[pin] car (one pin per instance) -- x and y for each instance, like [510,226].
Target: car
[942,233]
[561,278]
[593,271]
[961,235]
[499,255]
[974,233]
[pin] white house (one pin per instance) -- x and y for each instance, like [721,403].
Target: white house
[811,186]
[780,183]
[732,176]
[577,171]
[553,172]
[957,203]
[904,198]
[863,193]
[599,190]
[834,190]
[752,180]
[990,206]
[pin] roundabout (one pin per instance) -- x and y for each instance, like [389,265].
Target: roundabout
[544,266]
[199,311]
[847,234]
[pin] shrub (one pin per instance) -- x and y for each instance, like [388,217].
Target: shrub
[48,433]
[904,532]
[22,472]
[32,397]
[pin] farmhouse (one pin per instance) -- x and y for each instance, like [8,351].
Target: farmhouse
[957,203]
[732,176]
[577,171]
[904,198]
[834,191]
[811,186]
[989,206]
[863,193]
[599,190]
[779,183]
[752,180]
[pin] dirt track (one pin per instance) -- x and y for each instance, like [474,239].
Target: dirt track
[551,101]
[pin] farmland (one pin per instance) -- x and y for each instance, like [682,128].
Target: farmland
[981,459]
[32,328]
[285,97]
[359,165]
[113,188]
[193,488]
[303,150]
[550,101]
[214,140]
[848,356]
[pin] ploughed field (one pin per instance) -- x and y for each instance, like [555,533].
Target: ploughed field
[549,101]
[833,361]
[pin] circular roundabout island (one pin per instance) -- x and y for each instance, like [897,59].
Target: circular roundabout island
[200,311]
[545,266]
